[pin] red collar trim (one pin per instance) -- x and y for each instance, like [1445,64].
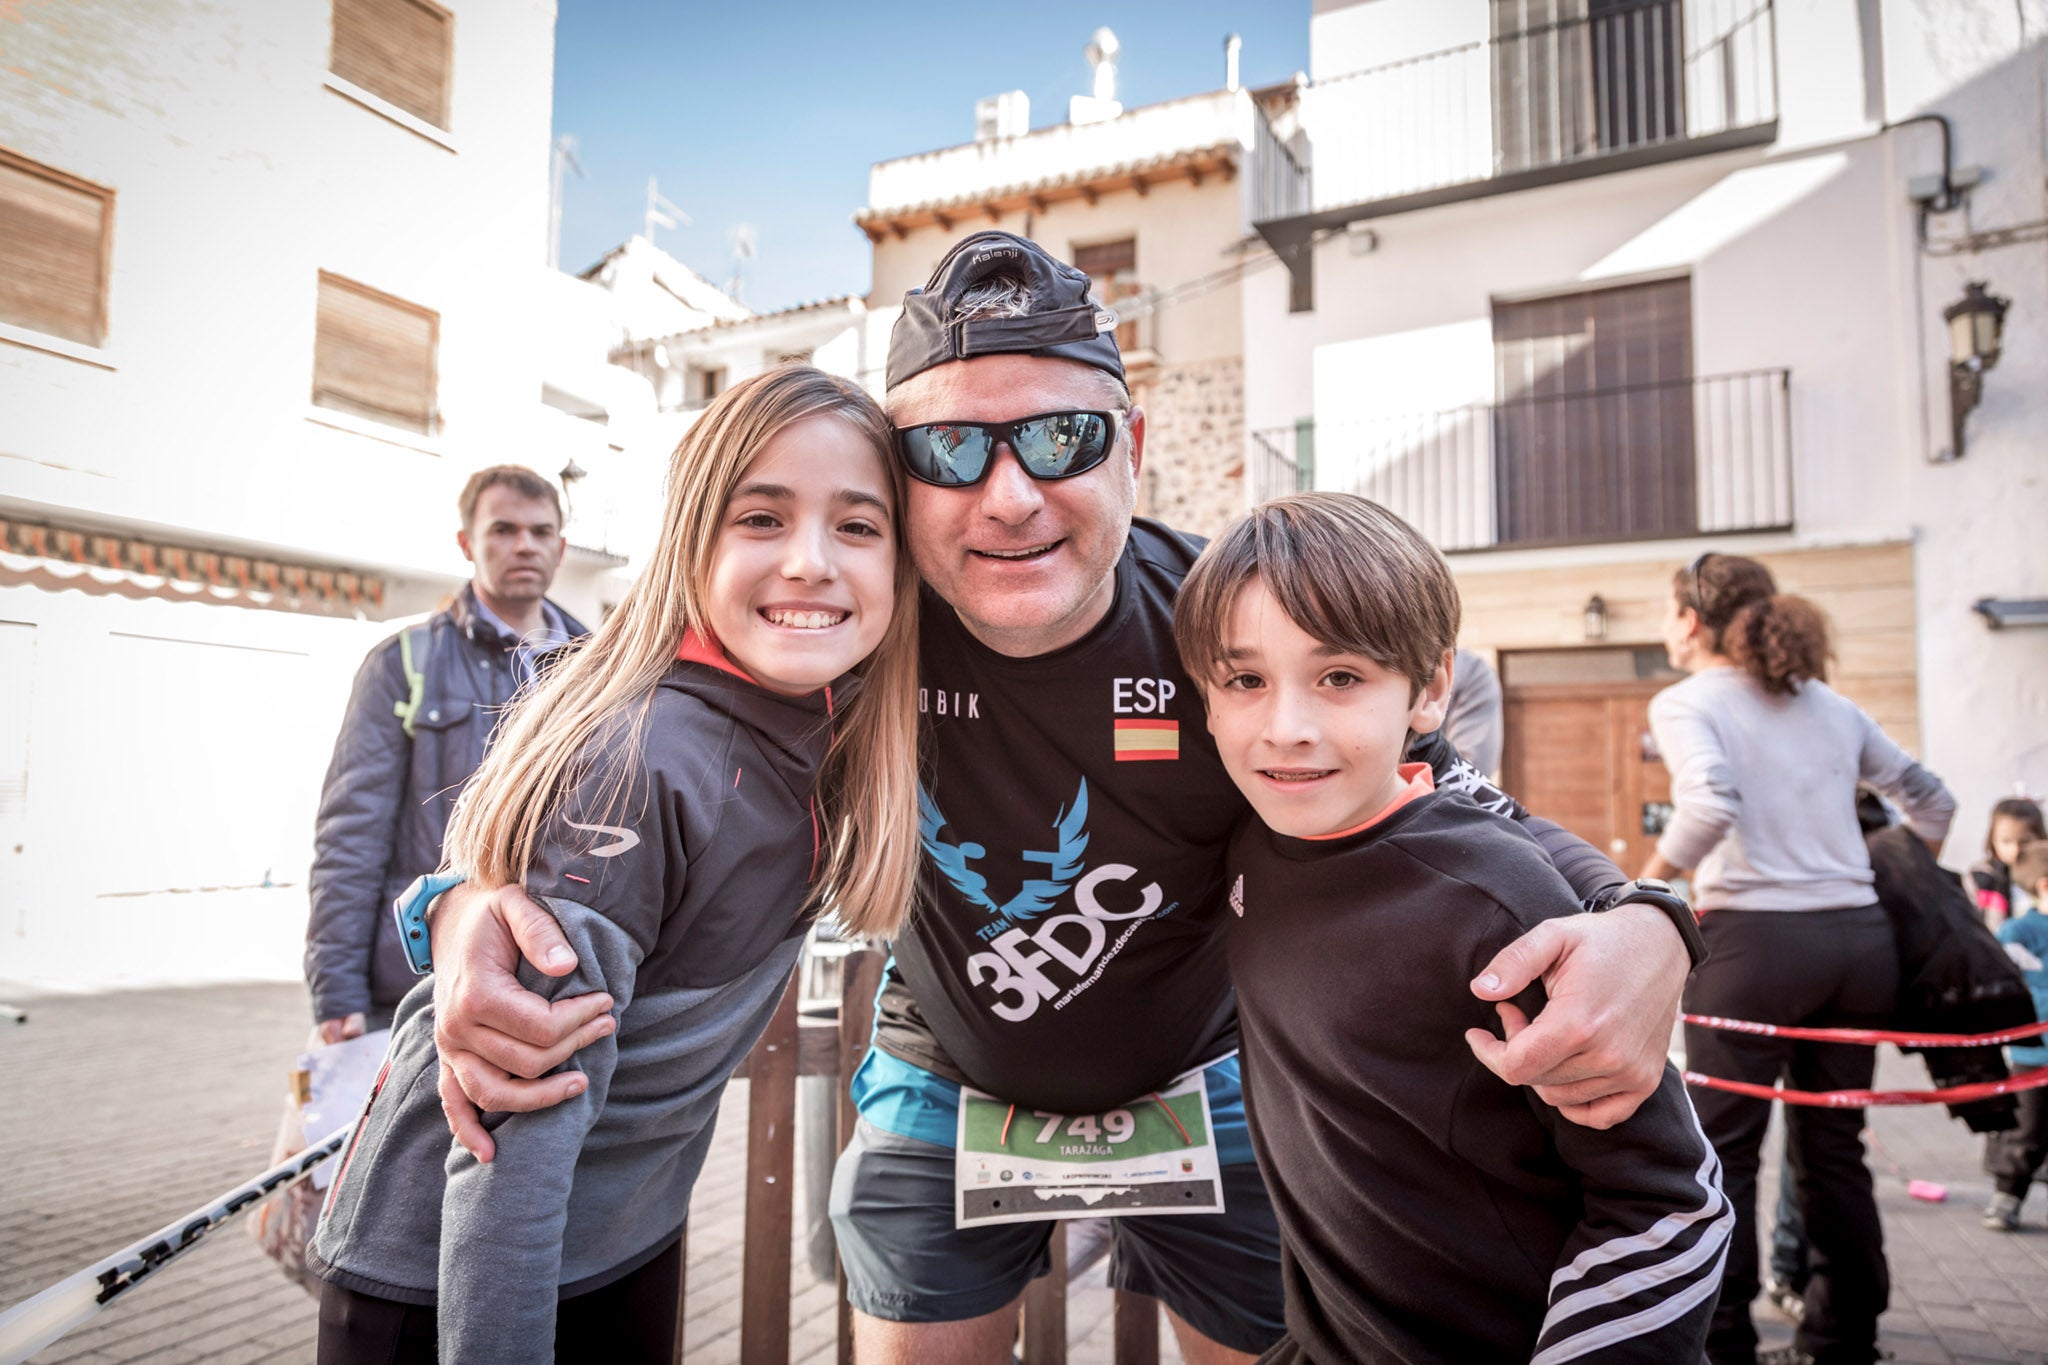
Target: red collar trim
[702,649]
[1418,782]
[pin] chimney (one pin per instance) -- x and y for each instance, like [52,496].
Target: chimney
[1231,47]
[1099,105]
[1000,116]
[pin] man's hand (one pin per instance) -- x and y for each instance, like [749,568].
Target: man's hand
[341,1030]
[1596,1050]
[491,1030]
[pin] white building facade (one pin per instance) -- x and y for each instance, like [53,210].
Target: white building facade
[1584,289]
[284,290]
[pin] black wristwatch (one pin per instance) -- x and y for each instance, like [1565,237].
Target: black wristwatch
[1650,891]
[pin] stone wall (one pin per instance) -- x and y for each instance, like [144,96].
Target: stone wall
[1193,476]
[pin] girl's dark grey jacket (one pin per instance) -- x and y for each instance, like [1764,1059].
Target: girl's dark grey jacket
[680,894]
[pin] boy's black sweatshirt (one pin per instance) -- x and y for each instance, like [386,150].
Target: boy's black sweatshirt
[1428,1210]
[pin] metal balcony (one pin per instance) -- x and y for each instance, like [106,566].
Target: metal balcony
[1630,84]
[1697,456]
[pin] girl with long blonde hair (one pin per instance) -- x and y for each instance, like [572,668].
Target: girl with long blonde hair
[733,751]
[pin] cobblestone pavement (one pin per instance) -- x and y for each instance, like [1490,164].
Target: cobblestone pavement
[125,1110]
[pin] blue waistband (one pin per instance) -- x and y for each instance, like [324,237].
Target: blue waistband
[901,1098]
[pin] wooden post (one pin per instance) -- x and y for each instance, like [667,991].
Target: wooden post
[860,976]
[1136,1330]
[771,1163]
[1045,1308]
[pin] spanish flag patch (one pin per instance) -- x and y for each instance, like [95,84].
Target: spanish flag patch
[1138,740]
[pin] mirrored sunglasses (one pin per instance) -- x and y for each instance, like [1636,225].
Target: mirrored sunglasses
[1052,445]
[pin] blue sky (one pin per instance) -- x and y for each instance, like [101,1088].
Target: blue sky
[769,114]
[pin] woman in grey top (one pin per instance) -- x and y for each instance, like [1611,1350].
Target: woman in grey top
[1764,761]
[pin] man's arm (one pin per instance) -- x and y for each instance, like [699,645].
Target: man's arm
[1597,1049]
[1593,876]
[498,1040]
[1613,980]
[353,842]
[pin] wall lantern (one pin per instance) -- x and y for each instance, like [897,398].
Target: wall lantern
[1975,325]
[1596,617]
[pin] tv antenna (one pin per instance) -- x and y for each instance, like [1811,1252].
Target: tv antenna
[661,212]
[744,240]
[563,158]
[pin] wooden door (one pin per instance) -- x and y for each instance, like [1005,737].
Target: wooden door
[1581,754]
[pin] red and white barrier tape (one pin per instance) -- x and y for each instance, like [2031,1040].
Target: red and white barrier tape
[1870,1037]
[1866,1099]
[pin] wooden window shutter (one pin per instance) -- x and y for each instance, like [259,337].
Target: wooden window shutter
[373,355]
[398,50]
[56,238]
[1112,267]
[1593,427]
[1105,260]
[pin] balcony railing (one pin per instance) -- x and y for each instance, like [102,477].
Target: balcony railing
[1280,183]
[1686,457]
[1629,84]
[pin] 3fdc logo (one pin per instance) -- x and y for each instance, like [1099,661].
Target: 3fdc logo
[1014,968]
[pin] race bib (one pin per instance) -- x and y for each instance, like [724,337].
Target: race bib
[1155,1155]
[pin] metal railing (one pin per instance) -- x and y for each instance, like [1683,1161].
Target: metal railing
[1627,81]
[1273,467]
[1280,183]
[1699,455]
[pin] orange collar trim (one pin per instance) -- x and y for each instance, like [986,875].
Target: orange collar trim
[1418,781]
[702,649]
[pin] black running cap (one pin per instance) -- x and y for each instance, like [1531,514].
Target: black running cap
[1062,323]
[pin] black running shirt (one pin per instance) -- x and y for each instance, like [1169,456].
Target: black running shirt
[1065,950]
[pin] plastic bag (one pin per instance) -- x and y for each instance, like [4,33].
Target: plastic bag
[284,1224]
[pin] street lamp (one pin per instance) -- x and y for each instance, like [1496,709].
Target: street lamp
[1596,617]
[1975,324]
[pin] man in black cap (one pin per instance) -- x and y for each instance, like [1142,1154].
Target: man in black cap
[1066,954]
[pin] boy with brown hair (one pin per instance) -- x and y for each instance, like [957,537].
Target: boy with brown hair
[1428,1210]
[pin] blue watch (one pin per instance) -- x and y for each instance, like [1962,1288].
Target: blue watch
[410,908]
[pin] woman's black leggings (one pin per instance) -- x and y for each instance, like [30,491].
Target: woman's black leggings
[1825,968]
[631,1319]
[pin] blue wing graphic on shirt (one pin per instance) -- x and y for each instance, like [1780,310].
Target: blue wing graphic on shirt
[1038,894]
[952,859]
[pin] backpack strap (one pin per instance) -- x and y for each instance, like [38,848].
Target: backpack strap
[413,659]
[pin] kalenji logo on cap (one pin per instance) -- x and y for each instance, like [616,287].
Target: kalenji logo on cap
[994,253]
[1105,320]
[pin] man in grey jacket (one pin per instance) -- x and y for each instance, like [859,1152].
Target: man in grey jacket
[418,721]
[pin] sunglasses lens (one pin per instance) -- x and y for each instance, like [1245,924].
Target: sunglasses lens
[1063,443]
[945,453]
